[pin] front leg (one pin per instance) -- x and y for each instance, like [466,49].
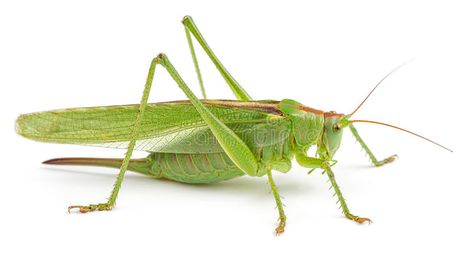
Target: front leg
[373,159]
[342,201]
[313,163]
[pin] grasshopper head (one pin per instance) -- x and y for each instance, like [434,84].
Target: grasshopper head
[333,130]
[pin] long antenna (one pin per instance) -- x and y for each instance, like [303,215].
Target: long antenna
[377,85]
[399,128]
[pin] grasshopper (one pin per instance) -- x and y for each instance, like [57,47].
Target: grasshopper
[199,141]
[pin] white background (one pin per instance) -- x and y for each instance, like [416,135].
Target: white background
[327,56]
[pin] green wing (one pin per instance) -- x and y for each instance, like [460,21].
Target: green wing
[166,127]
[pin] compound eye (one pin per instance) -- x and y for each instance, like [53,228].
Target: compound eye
[337,126]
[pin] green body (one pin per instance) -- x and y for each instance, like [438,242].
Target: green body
[200,141]
[181,145]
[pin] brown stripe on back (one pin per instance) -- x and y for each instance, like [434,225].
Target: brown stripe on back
[269,106]
[311,110]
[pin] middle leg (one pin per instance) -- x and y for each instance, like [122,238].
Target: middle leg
[282,218]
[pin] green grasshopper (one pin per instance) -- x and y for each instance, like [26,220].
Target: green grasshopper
[202,141]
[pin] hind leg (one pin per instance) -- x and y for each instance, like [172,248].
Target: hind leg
[232,145]
[191,28]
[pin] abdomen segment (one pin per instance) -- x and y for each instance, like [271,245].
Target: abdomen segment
[193,168]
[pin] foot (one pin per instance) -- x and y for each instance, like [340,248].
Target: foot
[91,207]
[386,161]
[281,228]
[358,219]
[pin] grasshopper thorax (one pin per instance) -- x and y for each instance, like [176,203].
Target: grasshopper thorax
[314,127]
